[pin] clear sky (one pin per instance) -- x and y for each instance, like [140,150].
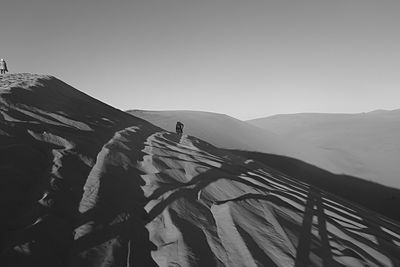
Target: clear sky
[243,58]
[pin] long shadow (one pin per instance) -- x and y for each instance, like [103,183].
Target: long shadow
[27,175]
[376,197]
[231,171]
[303,247]
[259,255]
[201,250]
[54,108]
[343,186]
[306,237]
[326,253]
[228,171]
[119,214]
[190,189]
[200,182]
[24,182]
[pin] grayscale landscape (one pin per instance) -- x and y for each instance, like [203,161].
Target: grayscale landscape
[84,184]
[212,133]
[369,141]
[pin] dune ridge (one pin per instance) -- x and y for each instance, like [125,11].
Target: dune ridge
[361,145]
[99,187]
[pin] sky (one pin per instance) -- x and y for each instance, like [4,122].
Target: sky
[244,58]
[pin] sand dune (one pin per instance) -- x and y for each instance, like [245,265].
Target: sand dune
[370,141]
[84,184]
[217,129]
[227,132]
[364,146]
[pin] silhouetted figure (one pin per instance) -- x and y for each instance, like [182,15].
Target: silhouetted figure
[3,66]
[179,127]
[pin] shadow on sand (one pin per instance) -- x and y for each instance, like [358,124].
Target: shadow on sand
[316,203]
[379,198]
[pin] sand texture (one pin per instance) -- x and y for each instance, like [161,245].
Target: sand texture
[362,145]
[84,184]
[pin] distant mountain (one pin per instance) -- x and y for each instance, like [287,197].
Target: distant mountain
[85,184]
[371,141]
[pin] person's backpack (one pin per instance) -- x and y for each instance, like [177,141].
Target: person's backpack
[179,127]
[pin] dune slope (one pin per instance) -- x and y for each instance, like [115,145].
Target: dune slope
[230,133]
[84,184]
[365,145]
[217,129]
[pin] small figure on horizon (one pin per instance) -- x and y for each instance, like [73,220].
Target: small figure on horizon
[3,66]
[179,127]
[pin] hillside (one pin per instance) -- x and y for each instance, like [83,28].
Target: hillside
[367,140]
[84,184]
[217,129]
[377,197]
[230,133]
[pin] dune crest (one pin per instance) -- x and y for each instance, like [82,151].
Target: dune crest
[123,192]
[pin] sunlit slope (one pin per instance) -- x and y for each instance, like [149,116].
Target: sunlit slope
[208,208]
[50,135]
[227,132]
[217,129]
[83,184]
[370,141]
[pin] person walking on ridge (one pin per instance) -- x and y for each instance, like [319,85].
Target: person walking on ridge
[3,66]
[179,127]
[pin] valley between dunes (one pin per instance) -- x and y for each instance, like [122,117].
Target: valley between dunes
[84,184]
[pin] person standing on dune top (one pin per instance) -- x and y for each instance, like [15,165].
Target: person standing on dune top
[179,127]
[3,66]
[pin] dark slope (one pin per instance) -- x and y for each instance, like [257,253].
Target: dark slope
[379,198]
[83,184]
[50,135]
